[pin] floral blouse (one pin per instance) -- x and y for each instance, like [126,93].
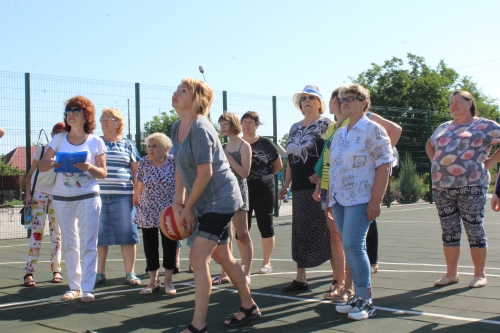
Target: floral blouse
[354,156]
[461,151]
[157,191]
[304,147]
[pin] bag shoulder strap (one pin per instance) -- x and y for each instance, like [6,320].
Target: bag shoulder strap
[36,173]
[59,142]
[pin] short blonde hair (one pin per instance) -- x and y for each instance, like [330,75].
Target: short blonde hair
[115,113]
[203,95]
[161,138]
[232,119]
[359,90]
[468,97]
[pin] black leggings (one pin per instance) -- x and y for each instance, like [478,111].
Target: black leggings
[151,244]
[372,243]
[263,205]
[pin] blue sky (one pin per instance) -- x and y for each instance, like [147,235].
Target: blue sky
[261,47]
[255,47]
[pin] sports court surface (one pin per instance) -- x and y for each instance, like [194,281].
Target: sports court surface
[410,255]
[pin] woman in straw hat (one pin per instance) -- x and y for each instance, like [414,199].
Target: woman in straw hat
[310,235]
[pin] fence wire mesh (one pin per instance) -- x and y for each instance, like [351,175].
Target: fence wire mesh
[48,94]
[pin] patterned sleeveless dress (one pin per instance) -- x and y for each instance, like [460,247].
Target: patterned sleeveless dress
[242,182]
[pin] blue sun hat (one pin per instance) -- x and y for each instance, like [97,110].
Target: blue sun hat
[311,90]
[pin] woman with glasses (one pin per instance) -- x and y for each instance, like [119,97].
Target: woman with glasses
[213,197]
[310,236]
[341,288]
[75,194]
[154,191]
[116,226]
[41,207]
[458,150]
[360,162]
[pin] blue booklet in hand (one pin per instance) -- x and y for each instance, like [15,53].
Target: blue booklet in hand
[68,159]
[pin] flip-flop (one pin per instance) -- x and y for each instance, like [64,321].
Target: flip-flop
[219,280]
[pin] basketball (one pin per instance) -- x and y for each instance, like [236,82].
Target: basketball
[172,225]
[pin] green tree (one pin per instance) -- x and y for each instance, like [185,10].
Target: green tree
[418,86]
[410,185]
[163,124]
[283,141]
[8,169]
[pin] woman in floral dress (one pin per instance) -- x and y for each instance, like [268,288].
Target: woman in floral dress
[153,191]
[310,235]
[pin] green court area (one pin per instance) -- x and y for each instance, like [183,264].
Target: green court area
[410,260]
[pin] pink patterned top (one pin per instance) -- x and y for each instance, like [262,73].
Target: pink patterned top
[461,151]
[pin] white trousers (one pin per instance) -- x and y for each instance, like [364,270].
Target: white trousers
[79,222]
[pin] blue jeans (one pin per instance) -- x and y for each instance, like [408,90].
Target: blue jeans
[352,223]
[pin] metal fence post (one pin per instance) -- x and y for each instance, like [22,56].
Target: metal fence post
[429,129]
[275,139]
[138,116]
[388,191]
[224,108]
[27,103]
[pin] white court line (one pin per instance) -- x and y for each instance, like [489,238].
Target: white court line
[293,298]
[404,210]
[274,259]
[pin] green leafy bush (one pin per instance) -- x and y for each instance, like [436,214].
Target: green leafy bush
[13,202]
[411,186]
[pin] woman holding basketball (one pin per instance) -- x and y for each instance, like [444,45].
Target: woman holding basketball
[153,191]
[213,196]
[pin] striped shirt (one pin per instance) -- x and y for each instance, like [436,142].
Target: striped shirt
[119,155]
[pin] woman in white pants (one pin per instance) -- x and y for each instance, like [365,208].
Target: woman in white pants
[76,195]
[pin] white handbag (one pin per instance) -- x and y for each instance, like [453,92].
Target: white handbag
[48,178]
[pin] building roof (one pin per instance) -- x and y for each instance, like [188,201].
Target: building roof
[17,157]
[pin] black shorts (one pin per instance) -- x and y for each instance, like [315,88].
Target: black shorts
[214,226]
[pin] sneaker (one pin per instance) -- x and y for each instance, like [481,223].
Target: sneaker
[347,306]
[342,296]
[362,310]
[266,269]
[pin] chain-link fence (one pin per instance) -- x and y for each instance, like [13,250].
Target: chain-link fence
[31,104]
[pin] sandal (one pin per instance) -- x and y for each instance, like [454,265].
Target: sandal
[193,329]
[71,294]
[150,290]
[87,297]
[220,280]
[333,291]
[249,316]
[30,282]
[342,296]
[100,278]
[132,279]
[57,279]
[295,285]
[266,269]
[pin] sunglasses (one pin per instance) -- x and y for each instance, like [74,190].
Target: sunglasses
[308,97]
[73,111]
[105,120]
[350,99]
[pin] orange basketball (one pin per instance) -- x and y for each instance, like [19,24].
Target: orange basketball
[172,225]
